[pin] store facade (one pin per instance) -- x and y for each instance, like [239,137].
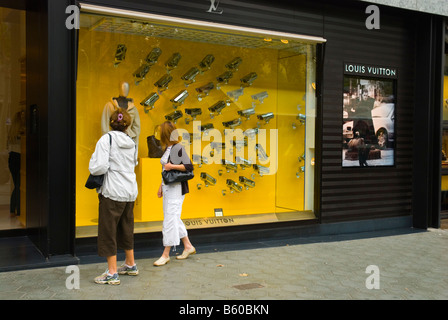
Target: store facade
[269,99]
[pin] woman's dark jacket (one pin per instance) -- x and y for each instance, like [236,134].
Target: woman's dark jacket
[178,155]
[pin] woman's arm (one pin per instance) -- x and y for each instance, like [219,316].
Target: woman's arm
[170,166]
[180,157]
[99,161]
[160,191]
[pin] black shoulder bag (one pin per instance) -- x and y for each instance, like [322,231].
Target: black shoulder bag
[94,182]
[173,176]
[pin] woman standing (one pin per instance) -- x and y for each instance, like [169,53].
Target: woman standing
[116,156]
[174,158]
[14,146]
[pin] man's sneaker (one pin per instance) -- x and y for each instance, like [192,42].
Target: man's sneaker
[125,269]
[106,278]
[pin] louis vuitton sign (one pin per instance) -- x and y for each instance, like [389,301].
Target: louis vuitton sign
[370,70]
[214,7]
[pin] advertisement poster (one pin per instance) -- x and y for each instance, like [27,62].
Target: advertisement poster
[368,126]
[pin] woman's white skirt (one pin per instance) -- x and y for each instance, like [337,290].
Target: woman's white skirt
[173,227]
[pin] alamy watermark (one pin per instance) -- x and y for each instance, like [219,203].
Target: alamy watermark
[373,280]
[373,20]
[72,281]
[72,21]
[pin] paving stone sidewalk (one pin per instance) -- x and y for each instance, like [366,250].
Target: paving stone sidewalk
[406,266]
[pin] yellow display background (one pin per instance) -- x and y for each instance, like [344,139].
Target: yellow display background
[445,97]
[444,182]
[284,80]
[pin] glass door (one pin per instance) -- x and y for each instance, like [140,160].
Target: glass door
[12,118]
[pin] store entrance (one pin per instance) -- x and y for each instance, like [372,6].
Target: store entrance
[12,119]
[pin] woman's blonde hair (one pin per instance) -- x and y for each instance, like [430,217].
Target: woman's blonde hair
[168,134]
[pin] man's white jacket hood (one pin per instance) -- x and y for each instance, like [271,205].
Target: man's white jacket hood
[117,160]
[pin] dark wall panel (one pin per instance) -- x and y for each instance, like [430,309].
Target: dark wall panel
[61,132]
[427,127]
[366,192]
[37,124]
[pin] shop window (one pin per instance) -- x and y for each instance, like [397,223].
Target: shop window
[245,106]
[444,184]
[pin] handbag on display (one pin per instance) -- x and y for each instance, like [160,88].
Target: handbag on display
[154,146]
[94,182]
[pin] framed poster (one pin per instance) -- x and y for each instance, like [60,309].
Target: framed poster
[368,125]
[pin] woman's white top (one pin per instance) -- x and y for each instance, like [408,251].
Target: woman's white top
[164,159]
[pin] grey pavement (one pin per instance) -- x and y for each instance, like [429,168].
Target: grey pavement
[409,265]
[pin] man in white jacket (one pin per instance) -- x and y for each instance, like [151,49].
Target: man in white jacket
[116,156]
